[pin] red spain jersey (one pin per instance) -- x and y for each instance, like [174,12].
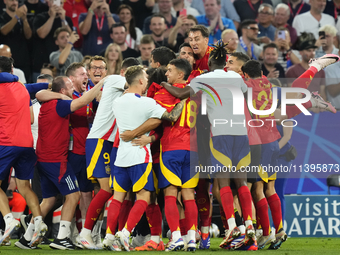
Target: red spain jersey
[15,117]
[80,126]
[180,135]
[262,100]
[202,64]
[193,74]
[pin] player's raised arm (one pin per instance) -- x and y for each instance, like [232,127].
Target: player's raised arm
[146,127]
[175,113]
[178,92]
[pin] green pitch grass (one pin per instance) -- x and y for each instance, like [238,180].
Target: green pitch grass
[303,246]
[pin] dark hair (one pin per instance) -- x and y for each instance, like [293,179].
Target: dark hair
[146,39]
[183,65]
[58,83]
[45,77]
[132,27]
[246,23]
[218,56]
[5,64]
[185,44]
[117,25]
[97,58]
[157,15]
[72,68]
[252,68]
[58,31]
[240,56]
[156,75]
[162,55]
[132,73]
[192,17]
[204,31]
[270,45]
[129,62]
[50,67]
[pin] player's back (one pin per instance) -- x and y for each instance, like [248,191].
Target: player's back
[104,119]
[15,128]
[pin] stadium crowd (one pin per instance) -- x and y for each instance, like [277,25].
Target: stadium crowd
[101,108]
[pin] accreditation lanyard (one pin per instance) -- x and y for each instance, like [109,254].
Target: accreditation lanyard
[244,46]
[298,11]
[251,5]
[100,27]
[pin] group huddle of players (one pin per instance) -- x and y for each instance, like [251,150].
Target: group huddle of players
[145,149]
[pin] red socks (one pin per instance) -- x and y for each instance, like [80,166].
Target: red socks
[112,216]
[293,110]
[124,213]
[154,216]
[184,227]
[171,212]
[136,213]
[246,202]
[227,202]
[96,207]
[224,220]
[191,214]
[305,79]
[262,212]
[203,203]
[275,207]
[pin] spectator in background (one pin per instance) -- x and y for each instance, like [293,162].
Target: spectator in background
[44,26]
[141,8]
[333,8]
[118,35]
[126,17]
[297,7]
[227,10]
[230,36]
[282,14]
[307,52]
[179,33]
[177,7]
[47,68]
[282,40]
[95,27]
[270,67]
[157,28]
[65,56]
[114,58]
[325,43]
[249,30]
[5,51]
[146,47]
[15,32]
[265,18]
[85,62]
[333,84]
[34,7]
[248,9]
[314,19]
[213,20]
[165,11]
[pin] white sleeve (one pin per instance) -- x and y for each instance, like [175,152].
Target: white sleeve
[115,81]
[154,109]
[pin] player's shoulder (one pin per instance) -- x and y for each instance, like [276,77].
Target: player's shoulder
[113,80]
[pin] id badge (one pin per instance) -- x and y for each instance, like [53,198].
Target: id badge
[99,40]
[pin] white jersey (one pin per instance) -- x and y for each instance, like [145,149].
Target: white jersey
[104,122]
[131,111]
[220,113]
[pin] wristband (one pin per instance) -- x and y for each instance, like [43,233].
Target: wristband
[17,17]
[91,11]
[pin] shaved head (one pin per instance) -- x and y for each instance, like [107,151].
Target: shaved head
[5,51]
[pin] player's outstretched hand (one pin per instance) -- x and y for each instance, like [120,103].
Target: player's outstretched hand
[141,141]
[127,136]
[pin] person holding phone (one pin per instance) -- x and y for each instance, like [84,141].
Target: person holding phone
[325,41]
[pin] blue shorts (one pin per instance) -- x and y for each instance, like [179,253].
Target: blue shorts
[98,158]
[137,177]
[230,151]
[23,160]
[78,164]
[269,160]
[178,169]
[57,178]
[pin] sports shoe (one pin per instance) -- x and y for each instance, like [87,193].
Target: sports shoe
[237,242]
[230,235]
[264,241]
[160,246]
[250,236]
[124,240]
[139,240]
[175,245]
[24,244]
[280,237]
[322,62]
[111,244]
[86,241]
[14,225]
[25,220]
[319,102]
[205,241]
[148,246]
[39,232]
[62,244]
[97,241]
[252,247]
[45,241]
[191,245]
[258,233]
